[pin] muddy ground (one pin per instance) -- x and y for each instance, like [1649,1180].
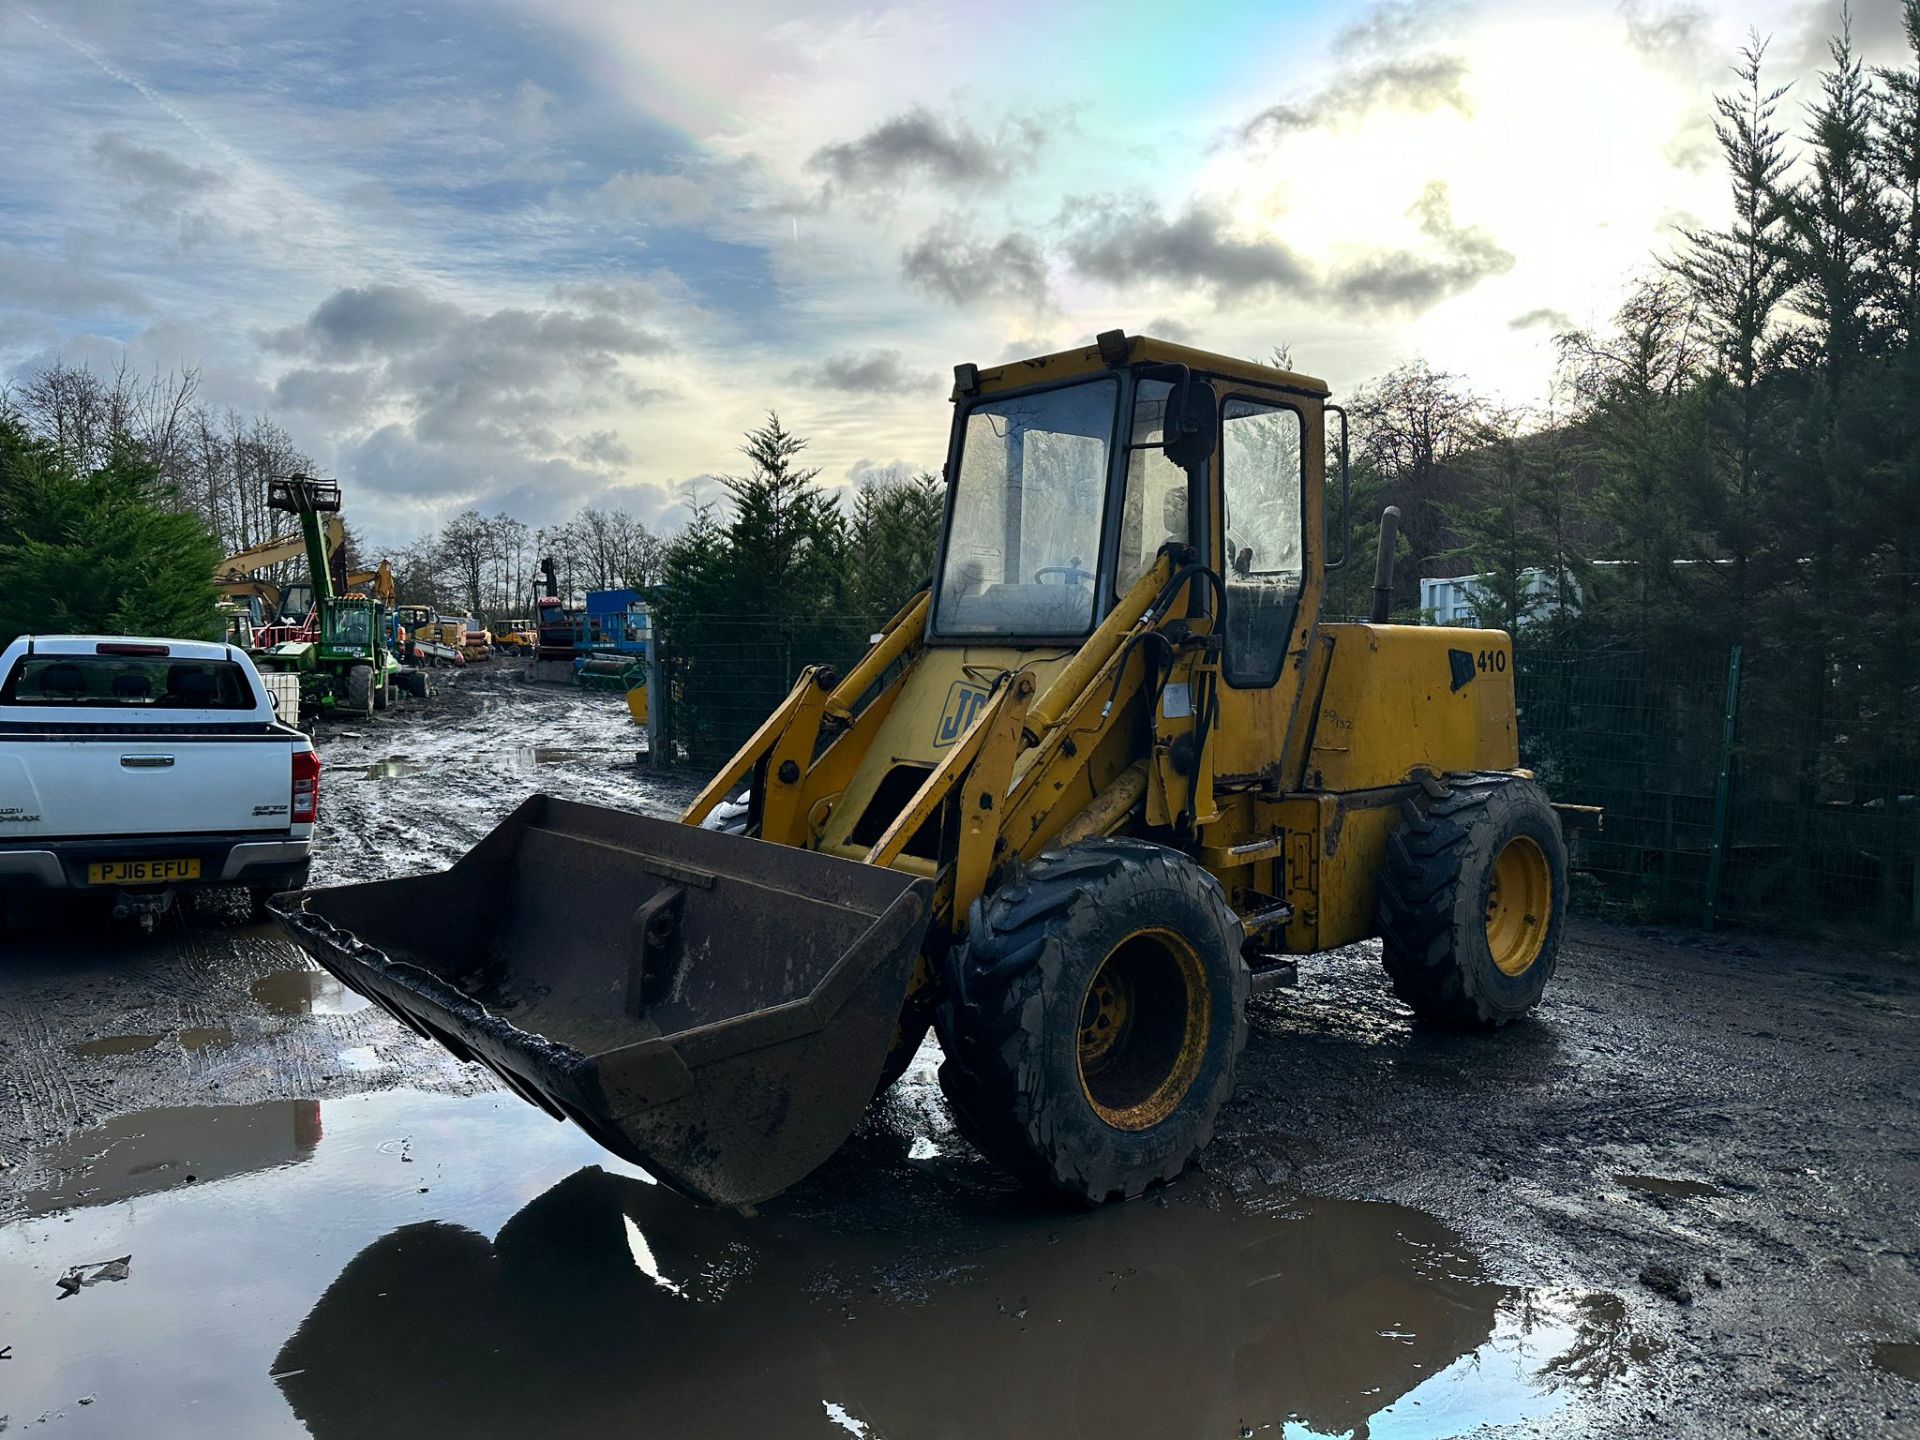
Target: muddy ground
[1680,1200]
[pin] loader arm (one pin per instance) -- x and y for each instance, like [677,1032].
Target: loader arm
[1029,761]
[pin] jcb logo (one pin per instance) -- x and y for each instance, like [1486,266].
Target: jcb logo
[963,703]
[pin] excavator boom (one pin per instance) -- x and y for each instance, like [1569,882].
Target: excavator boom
[277,551]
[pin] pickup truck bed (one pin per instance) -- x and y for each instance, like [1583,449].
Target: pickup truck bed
[130,766]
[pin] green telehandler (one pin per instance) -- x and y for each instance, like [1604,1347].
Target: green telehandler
[344,665]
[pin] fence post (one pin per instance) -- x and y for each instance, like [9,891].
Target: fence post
[657,732]
[1722,784]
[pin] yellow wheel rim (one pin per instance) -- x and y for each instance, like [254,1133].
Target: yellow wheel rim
[1144,1021]
[1519,905]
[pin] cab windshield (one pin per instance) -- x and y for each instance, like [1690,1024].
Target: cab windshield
[350,627]
[1024,542]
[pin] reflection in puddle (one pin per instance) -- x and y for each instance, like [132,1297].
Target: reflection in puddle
[206,1037]
[1138,1320]
[156,1149]
[115,1045]
[1898,1357]
[393,768]
[1661,1185]
[306,992]
[550,755]
[501,1285]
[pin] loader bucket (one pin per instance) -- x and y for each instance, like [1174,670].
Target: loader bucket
[714,1008]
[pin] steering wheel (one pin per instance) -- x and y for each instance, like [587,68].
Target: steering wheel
[1071,573]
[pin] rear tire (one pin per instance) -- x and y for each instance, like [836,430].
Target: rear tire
[1473,897]
[360,690]
[1093,1019]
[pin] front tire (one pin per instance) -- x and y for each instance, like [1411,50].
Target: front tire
[360,690]
[1094,1017]
[1473,898]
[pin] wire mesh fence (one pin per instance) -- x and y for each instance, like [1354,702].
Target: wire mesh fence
[1766,787]
[722,675]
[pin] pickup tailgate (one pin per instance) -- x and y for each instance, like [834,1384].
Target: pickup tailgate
[129,783]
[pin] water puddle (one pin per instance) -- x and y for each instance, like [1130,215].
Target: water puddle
[1898,1357]
[306,992]
[1675,1189]
[359,1060]
[154,1150]
[410,1265]
[549,755]
[114,1045]
[393,768]
[206,1037]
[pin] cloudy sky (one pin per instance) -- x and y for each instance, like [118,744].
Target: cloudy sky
[526,254]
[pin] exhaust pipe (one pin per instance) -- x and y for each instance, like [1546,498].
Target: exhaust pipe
[1383,565]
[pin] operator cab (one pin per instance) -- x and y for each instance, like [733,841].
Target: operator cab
[1066,484]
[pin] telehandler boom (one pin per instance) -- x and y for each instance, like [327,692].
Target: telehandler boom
[1098,780]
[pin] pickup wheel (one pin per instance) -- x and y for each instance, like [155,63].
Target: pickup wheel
[360,690]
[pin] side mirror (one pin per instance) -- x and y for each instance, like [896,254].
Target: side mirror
[1192,422]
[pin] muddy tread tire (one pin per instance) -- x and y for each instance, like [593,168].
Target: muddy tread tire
[1433,896]
[360,690]
[1032,947]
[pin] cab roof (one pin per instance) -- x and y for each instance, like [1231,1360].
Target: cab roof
[1141,349]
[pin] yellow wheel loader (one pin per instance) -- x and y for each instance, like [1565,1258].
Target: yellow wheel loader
[1090,788]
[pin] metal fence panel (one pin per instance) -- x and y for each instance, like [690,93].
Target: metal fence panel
[1816,822]
[1793,775]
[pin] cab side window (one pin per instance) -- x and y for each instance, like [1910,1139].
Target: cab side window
[1154,512]
[1262,460]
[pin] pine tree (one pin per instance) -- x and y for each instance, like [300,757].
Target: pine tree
[1897,158]
[1738,279]
[105,551]
[786,540]
[894,533]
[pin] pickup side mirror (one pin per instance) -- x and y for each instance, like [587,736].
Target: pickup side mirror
[1192,422]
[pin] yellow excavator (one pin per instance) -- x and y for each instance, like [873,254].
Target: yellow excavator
[1106,775]
[237,576]
[377,583]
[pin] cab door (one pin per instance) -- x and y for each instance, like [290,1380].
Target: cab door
[1267,546]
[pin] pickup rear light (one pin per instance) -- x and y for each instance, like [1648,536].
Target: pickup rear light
[306,787]
[121,647]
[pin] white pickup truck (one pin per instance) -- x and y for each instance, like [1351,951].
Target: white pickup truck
[131,767]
